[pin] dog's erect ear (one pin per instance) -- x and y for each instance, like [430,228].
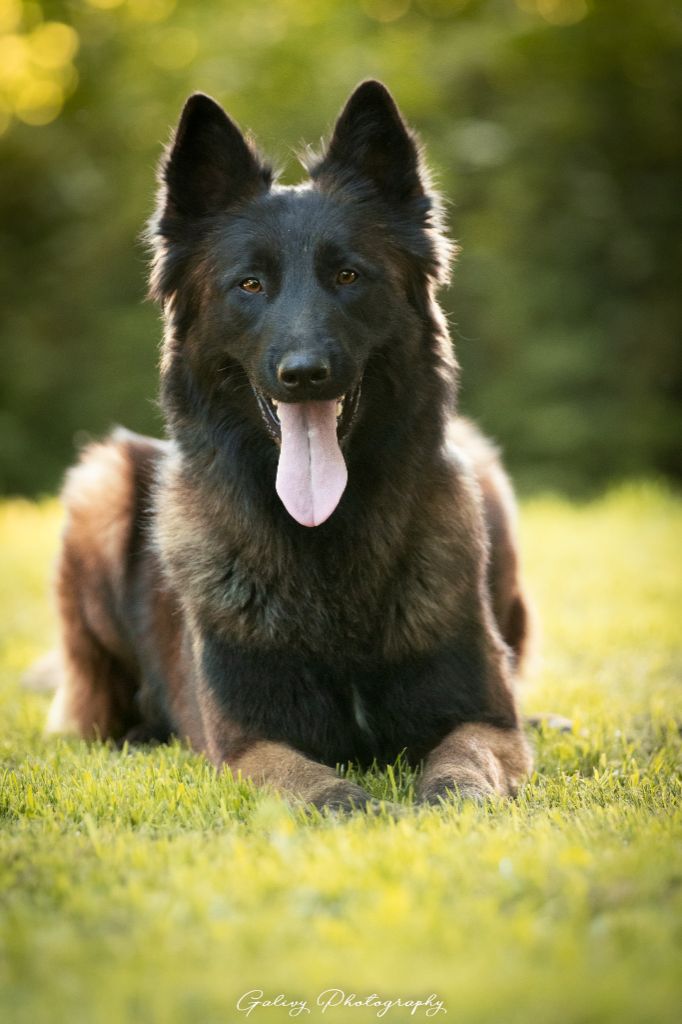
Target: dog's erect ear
[210,164]
[371,139]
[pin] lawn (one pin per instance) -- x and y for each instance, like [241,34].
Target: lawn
[138,886]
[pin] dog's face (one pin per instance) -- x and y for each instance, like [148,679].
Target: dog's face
[277,298]
[300,300]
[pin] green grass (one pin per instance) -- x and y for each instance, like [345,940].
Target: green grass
[138,886]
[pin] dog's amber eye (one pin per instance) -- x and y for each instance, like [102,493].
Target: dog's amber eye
[346,276]
[251,284]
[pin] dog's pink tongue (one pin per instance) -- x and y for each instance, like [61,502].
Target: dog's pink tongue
[311,475]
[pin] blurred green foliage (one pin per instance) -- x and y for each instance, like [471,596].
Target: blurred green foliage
[553,127]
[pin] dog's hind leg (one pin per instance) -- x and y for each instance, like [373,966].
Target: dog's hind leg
[96,695]
[508,601]
[44,674]
[95,699]
[510,605]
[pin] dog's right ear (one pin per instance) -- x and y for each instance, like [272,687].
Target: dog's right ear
[371,139]
[209,164]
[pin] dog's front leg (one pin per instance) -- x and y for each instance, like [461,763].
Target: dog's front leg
[293,774]
[476,760]
[274,764]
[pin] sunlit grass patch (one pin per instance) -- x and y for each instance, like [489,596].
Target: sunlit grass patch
[138,885]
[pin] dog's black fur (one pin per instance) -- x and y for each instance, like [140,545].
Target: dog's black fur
[192,602]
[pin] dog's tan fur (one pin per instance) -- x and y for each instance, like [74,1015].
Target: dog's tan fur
[476,760]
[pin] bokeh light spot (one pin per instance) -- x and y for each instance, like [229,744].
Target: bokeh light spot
[556,12]
[175,48]
[562,12]
[386,10]
[10,15]
[53,44]
[150,10]
[39,102]
[14,58]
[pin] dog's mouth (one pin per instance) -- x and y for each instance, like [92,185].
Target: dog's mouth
[311,474]
[346,408]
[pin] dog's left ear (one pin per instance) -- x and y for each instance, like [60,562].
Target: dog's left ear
[371,139]
[210,165]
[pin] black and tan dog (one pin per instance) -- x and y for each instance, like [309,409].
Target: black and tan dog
[319,566]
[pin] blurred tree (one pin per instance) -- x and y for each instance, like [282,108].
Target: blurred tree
[553,126]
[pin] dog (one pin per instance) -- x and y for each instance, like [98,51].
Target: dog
[319,566]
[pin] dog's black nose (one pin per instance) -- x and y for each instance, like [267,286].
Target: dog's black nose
[299,370]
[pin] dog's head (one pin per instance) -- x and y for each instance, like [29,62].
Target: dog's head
[278,299]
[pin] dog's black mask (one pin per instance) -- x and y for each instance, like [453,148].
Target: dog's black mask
[278,299]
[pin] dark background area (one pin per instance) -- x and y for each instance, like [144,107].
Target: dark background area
[554,130]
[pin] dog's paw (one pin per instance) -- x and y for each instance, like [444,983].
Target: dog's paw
[343,797]
[447,791]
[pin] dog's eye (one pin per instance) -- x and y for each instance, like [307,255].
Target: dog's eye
[251,284]
[346,276]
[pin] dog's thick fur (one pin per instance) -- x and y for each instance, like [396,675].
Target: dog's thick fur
[191,601]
